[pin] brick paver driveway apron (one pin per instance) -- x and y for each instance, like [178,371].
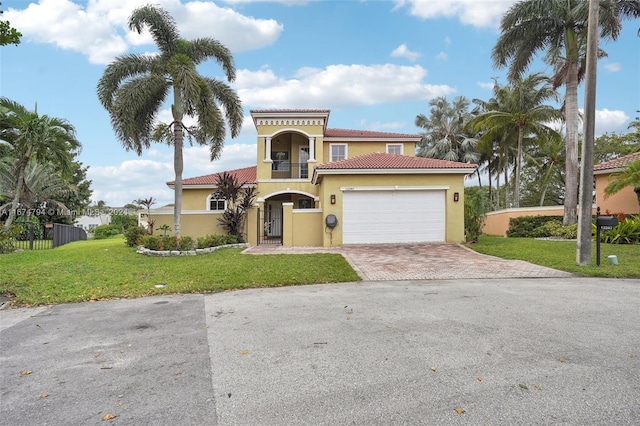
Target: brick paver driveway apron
[436,261]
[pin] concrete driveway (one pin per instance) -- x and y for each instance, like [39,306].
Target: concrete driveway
[395,262]
[465,352]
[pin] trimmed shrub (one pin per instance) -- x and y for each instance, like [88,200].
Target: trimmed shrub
[133,235]
[530,226]
[105,231]
[167,242]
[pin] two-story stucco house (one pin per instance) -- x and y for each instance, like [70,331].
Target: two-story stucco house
[319,186]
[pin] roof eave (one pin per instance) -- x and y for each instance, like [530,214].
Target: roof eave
[370,139]
[608,171]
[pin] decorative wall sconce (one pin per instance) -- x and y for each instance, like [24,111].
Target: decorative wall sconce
[333,198]
[456,196]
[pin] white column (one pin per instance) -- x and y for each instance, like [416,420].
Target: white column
[267,150]
[312,149]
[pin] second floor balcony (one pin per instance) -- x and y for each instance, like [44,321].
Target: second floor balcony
[288,170]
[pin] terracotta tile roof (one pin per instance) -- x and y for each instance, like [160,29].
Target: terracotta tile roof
[346,133]
[246,175]
[617,163]
[381,161]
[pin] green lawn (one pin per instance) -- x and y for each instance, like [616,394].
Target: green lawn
[562,255]
[104,269]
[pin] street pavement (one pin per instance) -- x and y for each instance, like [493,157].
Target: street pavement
[542,351]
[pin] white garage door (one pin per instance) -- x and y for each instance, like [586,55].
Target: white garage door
[395,216]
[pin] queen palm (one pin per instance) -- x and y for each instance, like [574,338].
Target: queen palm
[445,136]
[518,109]
[559,28]
[28,136]
[134,87]
[628,176]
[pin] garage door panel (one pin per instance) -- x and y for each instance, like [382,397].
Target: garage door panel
[393,216]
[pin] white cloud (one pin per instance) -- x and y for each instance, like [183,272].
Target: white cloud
[447,41]
[610,121]
[99,29]
[442,56]
[147,177]
[337,86]
[612,66]
[403,51]
[130,180]
[478,13]
[486,84]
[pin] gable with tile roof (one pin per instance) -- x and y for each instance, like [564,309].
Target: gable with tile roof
[625,201]
[319,186]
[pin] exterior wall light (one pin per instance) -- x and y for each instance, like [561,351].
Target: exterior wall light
[456,196]
[333,198]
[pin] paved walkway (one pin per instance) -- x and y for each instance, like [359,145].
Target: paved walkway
[402,262]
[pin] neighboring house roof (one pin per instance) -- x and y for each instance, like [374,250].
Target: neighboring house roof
[616,164]
[244,175]
[290,111]
[382,163]
[354,135]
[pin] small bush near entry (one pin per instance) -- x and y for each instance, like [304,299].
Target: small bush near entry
[133,235]
[105,231]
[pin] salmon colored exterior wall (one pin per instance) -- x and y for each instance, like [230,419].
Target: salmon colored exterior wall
[497,223]
[624,201]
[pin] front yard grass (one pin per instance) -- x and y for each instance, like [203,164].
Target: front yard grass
[105,269]
[562,255]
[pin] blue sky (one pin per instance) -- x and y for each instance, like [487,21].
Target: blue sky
[374,64]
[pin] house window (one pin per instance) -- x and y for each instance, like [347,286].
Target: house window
[394,148]
[305,203]
[217,204]
[337,152]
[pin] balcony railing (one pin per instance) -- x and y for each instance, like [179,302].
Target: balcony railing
[287,170]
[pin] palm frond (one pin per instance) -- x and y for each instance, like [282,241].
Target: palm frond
[161,24]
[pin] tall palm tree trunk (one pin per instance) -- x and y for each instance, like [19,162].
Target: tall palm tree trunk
[16,199]
[178,166]
[22,165]
[571,117]
[516,189]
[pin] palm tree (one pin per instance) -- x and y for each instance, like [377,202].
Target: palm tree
[133,88]
[147,203]
[628,176]
[546,159]
[559,28]
[42,185]
[518,109]
[445,136]
[28,136]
